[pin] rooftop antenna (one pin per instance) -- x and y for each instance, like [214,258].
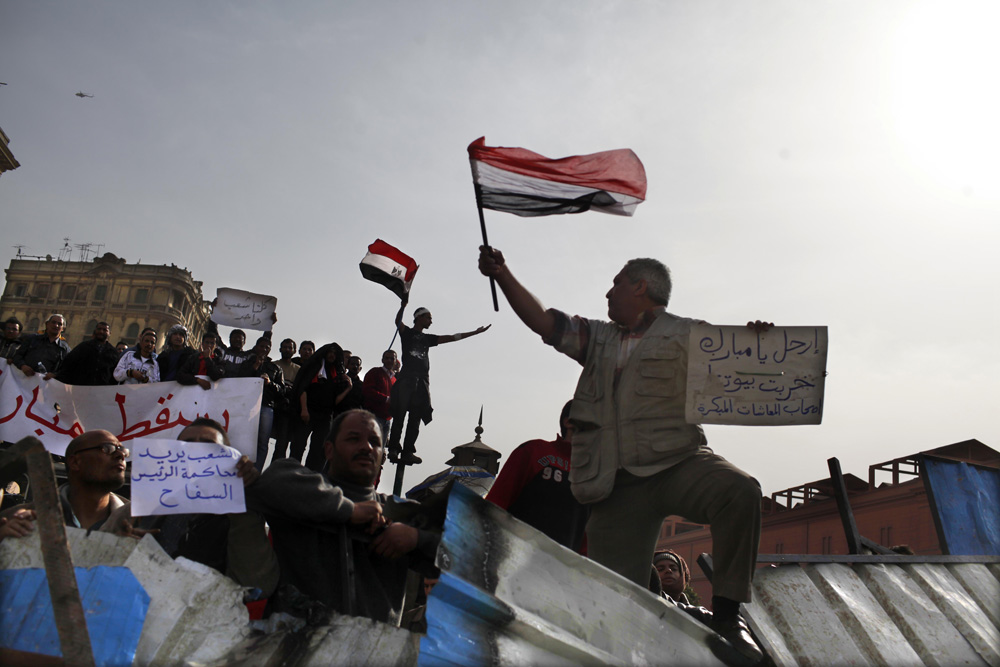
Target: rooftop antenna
[84,249]
[66,252]
[19,247]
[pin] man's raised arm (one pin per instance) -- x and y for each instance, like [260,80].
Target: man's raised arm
[399,313]
[525,305]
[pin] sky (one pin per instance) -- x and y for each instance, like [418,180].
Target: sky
[822,163]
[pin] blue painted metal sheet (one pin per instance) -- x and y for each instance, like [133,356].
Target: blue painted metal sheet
[114,603]
[509,595]
[967,502]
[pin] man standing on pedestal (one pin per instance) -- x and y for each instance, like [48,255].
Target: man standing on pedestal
[411,394]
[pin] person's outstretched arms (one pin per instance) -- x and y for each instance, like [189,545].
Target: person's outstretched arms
[459,336]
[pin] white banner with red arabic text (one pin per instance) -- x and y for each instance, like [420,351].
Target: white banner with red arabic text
[56,413]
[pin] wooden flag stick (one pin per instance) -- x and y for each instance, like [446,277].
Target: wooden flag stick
[482,226]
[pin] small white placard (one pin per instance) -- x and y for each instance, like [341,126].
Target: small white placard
[174,477]
[244,310]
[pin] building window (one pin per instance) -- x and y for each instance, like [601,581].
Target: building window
[42,290]
[21,290]
[827,546]
[33,325]
[100,293]
[132,333]
[779,548]
[68,292]
[141,295]
[885,536]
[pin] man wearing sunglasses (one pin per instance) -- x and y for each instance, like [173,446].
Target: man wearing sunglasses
[95,468]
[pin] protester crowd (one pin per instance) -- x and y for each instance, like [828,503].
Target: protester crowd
[295,410]
[314,402]
[338,545]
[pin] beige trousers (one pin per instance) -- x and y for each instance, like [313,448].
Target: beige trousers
[705,488]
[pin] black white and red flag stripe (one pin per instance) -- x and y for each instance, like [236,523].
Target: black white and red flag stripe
[388,266]
[518,181]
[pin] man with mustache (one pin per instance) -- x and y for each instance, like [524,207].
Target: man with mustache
[43,352]
[325,523]
[95,468]
[635,458]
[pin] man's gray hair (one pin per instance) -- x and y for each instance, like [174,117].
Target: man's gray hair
[59,315]
[656,275]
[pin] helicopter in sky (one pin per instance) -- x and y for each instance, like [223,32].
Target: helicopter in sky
[82,94]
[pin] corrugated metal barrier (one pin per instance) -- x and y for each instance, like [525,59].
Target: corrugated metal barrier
[508,595]
[878,614]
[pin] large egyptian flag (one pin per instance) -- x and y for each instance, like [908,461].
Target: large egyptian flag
[388,266]
[518,181]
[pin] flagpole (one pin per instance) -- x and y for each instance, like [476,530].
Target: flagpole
[482,226]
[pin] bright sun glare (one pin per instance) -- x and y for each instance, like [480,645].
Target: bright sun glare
[945,95]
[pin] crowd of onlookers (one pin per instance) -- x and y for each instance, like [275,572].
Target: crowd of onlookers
[301,394]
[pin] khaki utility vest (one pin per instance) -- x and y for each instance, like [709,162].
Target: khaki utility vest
[639,425]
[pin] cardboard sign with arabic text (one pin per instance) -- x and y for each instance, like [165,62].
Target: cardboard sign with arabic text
[244,310]
[772,378]
[173,477]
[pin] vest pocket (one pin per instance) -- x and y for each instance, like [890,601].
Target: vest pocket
[659,378]
[584,456]
[661,370]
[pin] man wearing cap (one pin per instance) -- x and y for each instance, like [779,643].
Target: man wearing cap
[411,392]
[674,574]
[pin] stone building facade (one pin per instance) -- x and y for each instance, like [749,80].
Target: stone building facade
[129,297]
[7,161]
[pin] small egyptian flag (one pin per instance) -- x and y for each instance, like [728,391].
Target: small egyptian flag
[388,266]
[515,180]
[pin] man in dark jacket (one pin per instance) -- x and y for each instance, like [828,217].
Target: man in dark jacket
[260,365]
[43,352]
[92,362]
[325,523]
[174,353]
[202,367]
[11,338]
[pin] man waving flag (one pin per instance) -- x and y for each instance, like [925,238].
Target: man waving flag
[518,181]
